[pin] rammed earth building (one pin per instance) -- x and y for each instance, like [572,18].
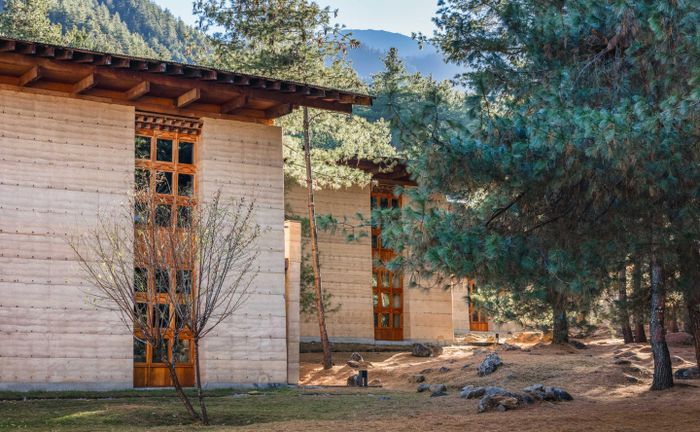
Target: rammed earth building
[76,127]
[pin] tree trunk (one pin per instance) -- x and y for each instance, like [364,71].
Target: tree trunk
[560,327]
[640,335]
[315,261]
[692,303]
[663,372]
[198,378]
[181,393]
[623,307]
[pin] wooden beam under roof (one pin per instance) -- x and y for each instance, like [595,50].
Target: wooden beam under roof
[234,104]
[278,110]
[30,76]
[139,90]
[84,84]
[188,98]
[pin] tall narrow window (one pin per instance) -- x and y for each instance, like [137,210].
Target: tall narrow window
[165,164]
[387,286]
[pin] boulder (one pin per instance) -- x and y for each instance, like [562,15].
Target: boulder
[426,371]
[687,373]
[422,387]
[354,364]
[419,378]
[353,380]
[436,349]
[622,362]
[421,350]
[375,383]
[356,357]
[509,347]
[553,394]
[497,402]
[578,344]
[677,360]
[632,379]
[437,390]
[489,365]
[471,392]
[444,369]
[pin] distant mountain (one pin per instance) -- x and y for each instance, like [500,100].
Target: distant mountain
[374,44]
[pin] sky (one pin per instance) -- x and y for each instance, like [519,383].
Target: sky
[398,16]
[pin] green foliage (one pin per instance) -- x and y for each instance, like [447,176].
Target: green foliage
[28,20]
[582,148]
[295,40]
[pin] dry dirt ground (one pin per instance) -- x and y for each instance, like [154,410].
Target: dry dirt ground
[605,399]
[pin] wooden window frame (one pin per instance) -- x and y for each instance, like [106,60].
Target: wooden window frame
[380,255]
[175,201]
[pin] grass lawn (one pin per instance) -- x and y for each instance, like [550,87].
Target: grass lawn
[159,410]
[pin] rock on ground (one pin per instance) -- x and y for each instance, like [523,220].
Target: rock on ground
[419,378]
[578,344]
[498,403]
[353,380]
[426,350]
[552,394]
[356,357]
[375,383]
[489,365]
[687,373]
[423,387]
[438,390]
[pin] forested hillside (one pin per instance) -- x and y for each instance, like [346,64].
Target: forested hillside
[136,27]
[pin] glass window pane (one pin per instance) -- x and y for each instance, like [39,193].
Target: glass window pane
[374,280]
[185,184]
[164,150]
[385,300]
[384,203]
[385,320]
[142,147]
[397,320]
[185,154]
[385,280]
[375,300]
[181,351]
[184,216]
[163,215]
[142,179]
[139,351]
[141,213]
[140,279]
[162,281]
[141,312]
[164,182]
[373,202]
[397,300]
[375,243]
[184,281]
[162,315]
[160,352]
[397,281]
[376,320]
[395,203]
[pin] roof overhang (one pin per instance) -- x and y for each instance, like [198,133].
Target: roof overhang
[388,171]
[160,86]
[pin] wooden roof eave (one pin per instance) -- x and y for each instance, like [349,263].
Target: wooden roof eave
[80,73]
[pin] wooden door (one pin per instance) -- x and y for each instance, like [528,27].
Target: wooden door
[387,286]
[478,321]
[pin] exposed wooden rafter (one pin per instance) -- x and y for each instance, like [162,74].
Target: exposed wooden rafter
[30,76]
[84,84]
[139,90]
[188,98]
[234,104]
